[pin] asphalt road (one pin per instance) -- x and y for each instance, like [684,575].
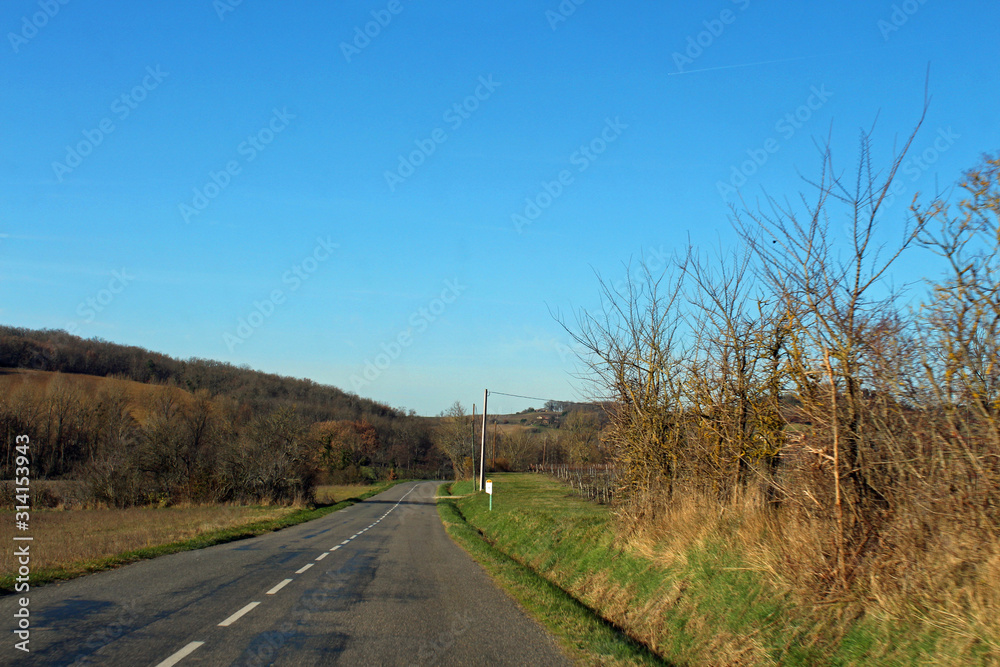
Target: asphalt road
[377,583]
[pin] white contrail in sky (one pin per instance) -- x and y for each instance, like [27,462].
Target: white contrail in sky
[762,62]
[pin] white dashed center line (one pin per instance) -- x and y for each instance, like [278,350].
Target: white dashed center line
[180,655]
[193,646]
[279,587]
[235,617]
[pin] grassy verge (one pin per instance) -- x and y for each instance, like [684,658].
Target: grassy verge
[709,603]
[329,494]
[585,636]
[169,523]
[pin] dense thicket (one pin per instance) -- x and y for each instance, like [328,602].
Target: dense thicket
[792,372]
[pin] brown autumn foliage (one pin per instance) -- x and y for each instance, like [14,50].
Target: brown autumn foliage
[343,449]
[131,443]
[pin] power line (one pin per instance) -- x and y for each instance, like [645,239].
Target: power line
[530,398]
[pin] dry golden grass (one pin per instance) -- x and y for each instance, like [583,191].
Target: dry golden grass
[948,586]
[91,384]
[139,393]
[66,537]
[328,494]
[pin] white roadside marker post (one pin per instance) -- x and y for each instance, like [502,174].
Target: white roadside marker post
[489,491]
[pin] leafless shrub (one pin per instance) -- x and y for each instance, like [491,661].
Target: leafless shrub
[789,381]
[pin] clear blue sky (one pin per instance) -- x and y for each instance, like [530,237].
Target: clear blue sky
[115,113]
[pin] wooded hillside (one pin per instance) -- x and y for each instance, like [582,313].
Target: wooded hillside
[138,427]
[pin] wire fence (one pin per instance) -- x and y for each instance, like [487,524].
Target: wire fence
[593,482]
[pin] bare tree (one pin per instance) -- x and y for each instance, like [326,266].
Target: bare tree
[454,437]
[737,371]
[63,401]
[834,296]
[269,461]
[963,312]
[636,363]
[580,439]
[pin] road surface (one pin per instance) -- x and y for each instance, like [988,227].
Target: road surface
[377,583]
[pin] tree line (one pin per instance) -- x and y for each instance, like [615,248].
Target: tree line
[196,430]
[575,438]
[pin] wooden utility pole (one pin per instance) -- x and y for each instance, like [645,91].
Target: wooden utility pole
[482,445]
[473,447]
[494,459]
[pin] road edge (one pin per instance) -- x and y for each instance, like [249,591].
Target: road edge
[584,636]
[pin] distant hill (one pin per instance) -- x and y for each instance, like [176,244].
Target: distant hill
[56,350]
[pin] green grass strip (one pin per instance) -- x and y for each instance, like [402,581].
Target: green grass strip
[587,637]
[221,536]
[710,606]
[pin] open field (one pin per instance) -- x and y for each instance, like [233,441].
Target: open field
[329,494]
[65,537]
[68,543]
[701,596]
